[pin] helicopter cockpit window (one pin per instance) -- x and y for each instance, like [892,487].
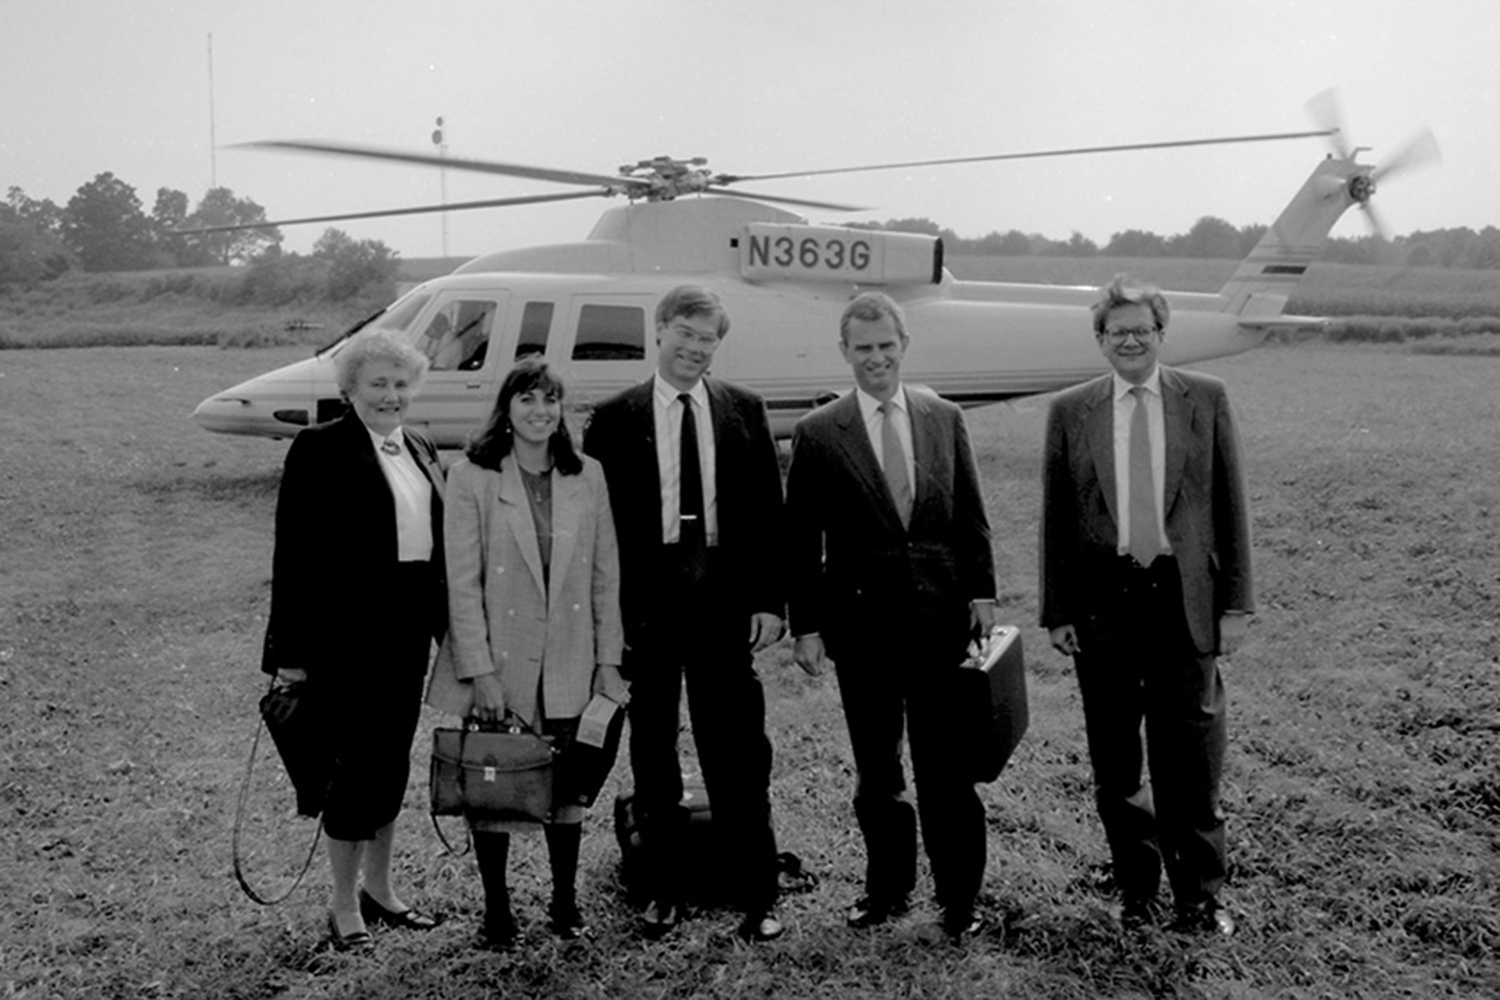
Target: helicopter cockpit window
[400,315]
[610,333]
[536,322]
[457,338]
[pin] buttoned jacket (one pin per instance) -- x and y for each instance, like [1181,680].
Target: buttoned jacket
[855,570]
[1203,501]
[336,547]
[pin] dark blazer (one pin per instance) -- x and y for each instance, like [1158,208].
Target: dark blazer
[336,547]
[621,434]
[1207,520]
[855,570]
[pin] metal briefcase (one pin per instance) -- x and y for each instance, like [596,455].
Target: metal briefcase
[991,703]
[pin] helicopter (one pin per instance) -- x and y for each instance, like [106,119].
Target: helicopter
[588,306]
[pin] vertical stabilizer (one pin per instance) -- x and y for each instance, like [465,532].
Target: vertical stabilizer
[1264,282]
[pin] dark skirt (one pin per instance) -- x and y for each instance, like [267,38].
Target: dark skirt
[375,703]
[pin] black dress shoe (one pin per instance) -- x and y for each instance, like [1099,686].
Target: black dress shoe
[407,919]
[960,922]
[1138,913]
[872,911]
[567,923]
[1205,918]
[500,930]
[659,918]
[357,942]
[762,925]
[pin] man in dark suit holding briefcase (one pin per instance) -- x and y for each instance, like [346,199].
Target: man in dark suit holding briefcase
[891,574]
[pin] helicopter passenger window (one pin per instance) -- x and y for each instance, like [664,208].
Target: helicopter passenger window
[536,322]
[610,333]
[457,338]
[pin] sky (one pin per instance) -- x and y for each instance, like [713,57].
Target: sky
[158,93]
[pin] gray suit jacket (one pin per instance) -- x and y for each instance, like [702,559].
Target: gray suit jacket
[502,619]
[1207,517]
[854,570]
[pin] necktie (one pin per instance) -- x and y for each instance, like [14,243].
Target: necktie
[390,447]
[691,532]
[1145,538]
[894,459]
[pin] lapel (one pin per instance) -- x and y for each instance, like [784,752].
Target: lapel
[365,466]
[516,513]
[643,418]
[923,449]
[724,425]
[1099,429]
[1177,416]
[855,443]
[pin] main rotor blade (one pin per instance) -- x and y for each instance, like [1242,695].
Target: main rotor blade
[1323,108]
[736,178]
[455,206]
[1420,150]
[831,206]
[616,182]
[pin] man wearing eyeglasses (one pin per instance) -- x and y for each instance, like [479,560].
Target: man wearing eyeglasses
[1145,582]
[695,488]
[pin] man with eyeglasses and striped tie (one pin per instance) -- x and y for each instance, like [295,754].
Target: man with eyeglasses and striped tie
[1145,582]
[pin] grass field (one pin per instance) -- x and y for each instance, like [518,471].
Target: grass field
[1363,788]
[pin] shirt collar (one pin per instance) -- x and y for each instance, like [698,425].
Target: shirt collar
[869,405]
[666,393]
[1151,385]
[395,436]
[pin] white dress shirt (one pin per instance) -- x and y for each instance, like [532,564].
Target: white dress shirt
[413,495]
[668,412]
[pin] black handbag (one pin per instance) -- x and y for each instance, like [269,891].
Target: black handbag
[294,717]
[492,774]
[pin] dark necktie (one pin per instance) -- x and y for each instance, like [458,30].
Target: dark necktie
[692,529]
[894,459]
[1145,539]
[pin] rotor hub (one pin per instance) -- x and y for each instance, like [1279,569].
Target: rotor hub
[1361,188]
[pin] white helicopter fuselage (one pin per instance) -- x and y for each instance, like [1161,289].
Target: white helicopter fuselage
[589,308]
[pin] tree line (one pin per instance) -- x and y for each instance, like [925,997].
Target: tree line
[104,227]
[1211,237]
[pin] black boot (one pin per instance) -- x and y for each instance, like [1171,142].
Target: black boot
[492,851]
[563,841]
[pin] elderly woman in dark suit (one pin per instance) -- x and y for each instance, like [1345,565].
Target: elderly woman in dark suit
[357,599]
[534,611]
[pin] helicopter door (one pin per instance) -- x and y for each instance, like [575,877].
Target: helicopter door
[463,338]
[607,343]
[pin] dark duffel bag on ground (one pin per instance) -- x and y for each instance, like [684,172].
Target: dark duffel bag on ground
[709,881]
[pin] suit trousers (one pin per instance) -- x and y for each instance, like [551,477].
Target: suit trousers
[887,689]
[1138,663]
[710,652]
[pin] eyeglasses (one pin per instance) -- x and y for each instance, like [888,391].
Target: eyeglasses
[1141,333]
